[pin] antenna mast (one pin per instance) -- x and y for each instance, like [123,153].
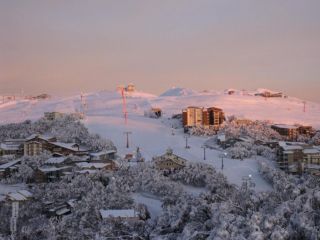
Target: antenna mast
[124,106]
[83,105]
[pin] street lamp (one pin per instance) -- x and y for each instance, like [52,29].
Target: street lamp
[127,134]
[204,152]
[186,137]
[223,155]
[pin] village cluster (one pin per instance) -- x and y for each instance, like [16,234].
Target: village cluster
[293,156]
[92,183]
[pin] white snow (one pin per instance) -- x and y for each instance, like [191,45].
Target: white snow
[55,160]
[9,188]
[153,203]
[9,164]
[104,116]
[87,165]
[122,213]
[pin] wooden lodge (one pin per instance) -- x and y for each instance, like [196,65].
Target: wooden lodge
[169,161]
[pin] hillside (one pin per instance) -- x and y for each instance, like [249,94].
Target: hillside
[279,110]
[153,136]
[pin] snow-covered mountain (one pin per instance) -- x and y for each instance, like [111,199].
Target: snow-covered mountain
[109,103]
[177,92]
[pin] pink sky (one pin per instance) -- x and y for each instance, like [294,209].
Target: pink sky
[63,47]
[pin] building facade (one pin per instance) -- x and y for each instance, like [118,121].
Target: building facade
[169,161]
[298,157]
[206,117]
[289,131]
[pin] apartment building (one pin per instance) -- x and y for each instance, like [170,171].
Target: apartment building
[199,116]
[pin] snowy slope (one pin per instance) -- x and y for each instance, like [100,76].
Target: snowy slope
[279,110]
[154,136]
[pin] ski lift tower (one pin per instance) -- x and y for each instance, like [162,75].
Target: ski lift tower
[124,106]
[83,105]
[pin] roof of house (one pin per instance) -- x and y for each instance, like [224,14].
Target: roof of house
[246,139]
[86,171]
[9,164]
[70,146]
[21,195]
[26,193]
[291,146]
[222,137]
[9,147]
[123,213]
[16,197]
[52,169]
[92,165]
[173,158]
[189,107]
[63,211]
[56,160]
[285,126]
[43,137]
[311,151]
[101,153]
[214,108]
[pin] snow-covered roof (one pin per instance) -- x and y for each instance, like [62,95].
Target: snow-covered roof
[101,153]
[62,211]
[171,157]
[26,193]
[71,202]
[43,137]
[291,146]
[22,195]
[285,126]
[313,166]
[70,146]
[52,169]
[86,171]
[222,137]
[246,139]
[311,151]
[264,90]
[10,147]
[123,213]
[287,152]
[92,165]
[56,160]
[9,164]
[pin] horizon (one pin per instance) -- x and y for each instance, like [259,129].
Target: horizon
[64,48]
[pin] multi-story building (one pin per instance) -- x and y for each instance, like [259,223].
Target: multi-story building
[192,117]
[12,147]
[298,157]
[36,144]
[198,116]
[213,117]
[289,131]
